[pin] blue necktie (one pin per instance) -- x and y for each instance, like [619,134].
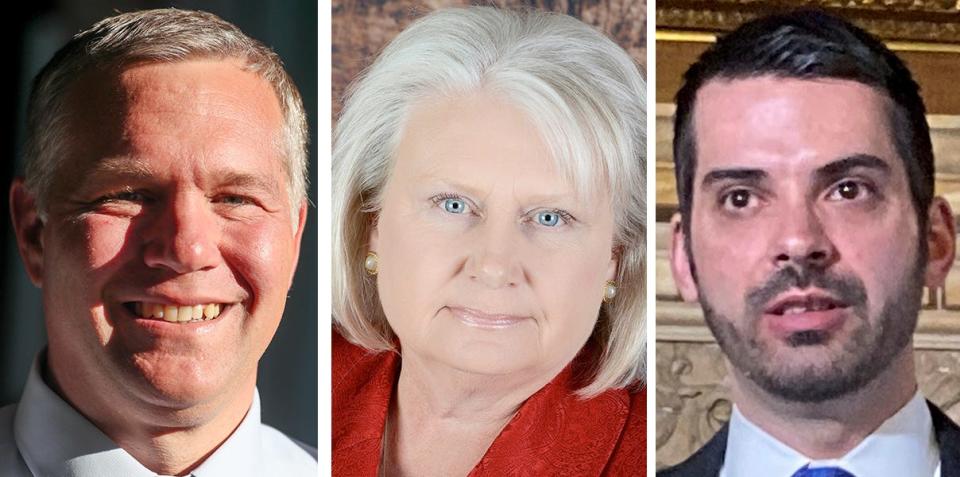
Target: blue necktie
[806,471]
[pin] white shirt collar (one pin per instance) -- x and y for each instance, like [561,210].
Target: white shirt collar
[54,439]
[904,444]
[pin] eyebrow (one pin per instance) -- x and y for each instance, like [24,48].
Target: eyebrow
[740,174]
[246,181]
[844,165]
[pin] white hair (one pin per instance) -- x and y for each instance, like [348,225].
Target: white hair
[586,96]
[162,36]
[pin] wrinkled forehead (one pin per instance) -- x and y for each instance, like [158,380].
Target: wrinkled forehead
[105,110]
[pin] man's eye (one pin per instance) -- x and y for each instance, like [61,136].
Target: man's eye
[738,199]
[848,190]
[122,196]
[234,200]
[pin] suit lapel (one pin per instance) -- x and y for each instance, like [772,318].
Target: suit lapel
[706,462]
[948,439]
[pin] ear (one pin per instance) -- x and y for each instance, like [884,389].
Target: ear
[28,229]
[373,241]
[680,262]
[298,236]
[941,243]
[614,264]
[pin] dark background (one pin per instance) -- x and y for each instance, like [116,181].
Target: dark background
[32,33]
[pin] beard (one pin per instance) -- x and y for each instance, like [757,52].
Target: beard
[815,366]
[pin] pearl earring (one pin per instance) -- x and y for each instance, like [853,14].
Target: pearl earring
[609,291]
[372,263]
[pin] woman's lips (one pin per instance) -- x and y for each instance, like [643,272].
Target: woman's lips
[479,319]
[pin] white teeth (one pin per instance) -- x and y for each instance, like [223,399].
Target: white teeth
[170,313]
[211,310]
[795,310]
[177,313]
[185,313]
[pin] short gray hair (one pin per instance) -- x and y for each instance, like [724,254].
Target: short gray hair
[162,36]
[585,94]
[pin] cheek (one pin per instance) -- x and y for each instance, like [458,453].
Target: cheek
[104,242]
[81,255]
[883,257]
[568,285]
[416,261]
[261,257]
[728,262]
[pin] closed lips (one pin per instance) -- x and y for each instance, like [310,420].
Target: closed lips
[175,313]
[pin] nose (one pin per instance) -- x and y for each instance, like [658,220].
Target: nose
[803,240]
[494,260]
[183,237]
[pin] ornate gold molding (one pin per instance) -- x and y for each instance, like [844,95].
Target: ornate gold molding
[912,23]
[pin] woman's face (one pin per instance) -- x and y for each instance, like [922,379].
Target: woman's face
[489,261]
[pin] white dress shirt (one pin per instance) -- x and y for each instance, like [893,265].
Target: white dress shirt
[44,436]
[904,445]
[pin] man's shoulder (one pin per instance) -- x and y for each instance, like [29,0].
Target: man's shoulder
[291,455]
[11,462]
[705,462]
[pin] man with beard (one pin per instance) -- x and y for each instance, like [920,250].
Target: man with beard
[803,156]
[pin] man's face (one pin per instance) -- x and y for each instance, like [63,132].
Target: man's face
[803,234]
[172,197]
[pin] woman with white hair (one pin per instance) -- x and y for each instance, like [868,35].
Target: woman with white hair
[489,253]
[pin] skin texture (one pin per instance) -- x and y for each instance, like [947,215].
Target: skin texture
[172,191]
[460,383]
[803,223]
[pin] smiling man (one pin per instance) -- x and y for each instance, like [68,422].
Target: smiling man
[161,216]
[803,156]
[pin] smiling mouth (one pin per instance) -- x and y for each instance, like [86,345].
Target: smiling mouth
[175,313]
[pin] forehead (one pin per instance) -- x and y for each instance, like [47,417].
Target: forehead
[193,109]
[480,137]
[789,125]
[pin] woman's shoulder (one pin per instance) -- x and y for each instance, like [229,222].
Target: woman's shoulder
[629,457]
[355,366]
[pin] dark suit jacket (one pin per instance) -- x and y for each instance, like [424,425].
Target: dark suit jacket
[707,461]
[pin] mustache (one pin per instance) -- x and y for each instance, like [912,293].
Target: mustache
[848,289]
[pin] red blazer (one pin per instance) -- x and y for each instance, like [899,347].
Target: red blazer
[553,434]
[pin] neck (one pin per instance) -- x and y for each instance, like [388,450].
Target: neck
[438,392]
[164,438]
[829,429]
[447,418]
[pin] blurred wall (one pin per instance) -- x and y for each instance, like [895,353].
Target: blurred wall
[33,32]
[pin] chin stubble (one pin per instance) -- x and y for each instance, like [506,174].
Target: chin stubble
[862,358]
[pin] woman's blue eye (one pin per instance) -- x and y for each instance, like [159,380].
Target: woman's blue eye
[548,218]
[455,206]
